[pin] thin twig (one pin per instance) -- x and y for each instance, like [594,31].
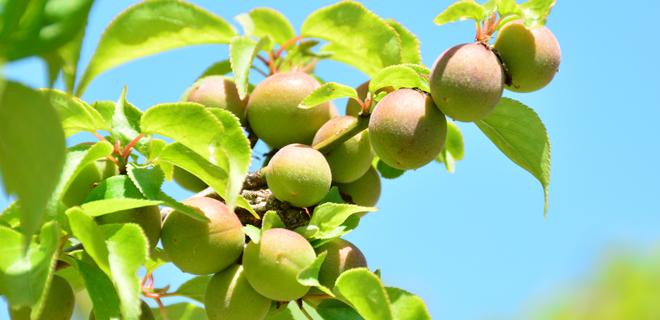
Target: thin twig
[286,44]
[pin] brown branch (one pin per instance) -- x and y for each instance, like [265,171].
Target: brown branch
[254,180]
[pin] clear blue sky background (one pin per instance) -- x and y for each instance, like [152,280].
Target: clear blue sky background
[474,244]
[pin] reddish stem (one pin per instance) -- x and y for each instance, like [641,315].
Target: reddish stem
[271,63]
[111,158]
[286,44]
[99,136]
[162,308]
[128,148]
[117,148]
[310,65]
[263,60]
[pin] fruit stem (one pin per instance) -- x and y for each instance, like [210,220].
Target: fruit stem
[130,145]
[304,311]
[99,136]
[310,65]
[334,141]
[286,44]
[271,62]
[318,296]
[262,60]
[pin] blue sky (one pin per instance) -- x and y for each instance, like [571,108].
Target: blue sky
[474,244]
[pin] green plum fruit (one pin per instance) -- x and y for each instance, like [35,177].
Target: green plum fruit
[229,296]
[350,160]
[200,247]
[364,191]
[57,304]
[467,82]
[218,92]
[299,175]
[532,56]
[407,130]
[272,264]
[342,256]
[85,181]
[145,312]
[148,218]
[273,111]
[188,180]
[353,108]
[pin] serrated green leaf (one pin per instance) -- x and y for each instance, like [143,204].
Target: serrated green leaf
[342,54]
[309,276]
[350,25]
[128,249]
[328,92]
[194,288]
[407,306]
[157,259]
[189,211]
[117,187]
[76,115]
[364,291]
[333,196]
[181,311]
[423,73]
[147,180]
[242,52]
[125,125]
[217,69]
[409,43]
[535,12]
[453,150]
[89,234]
[284,315]
[386,171]
[266,21]
[347,226]
[12,214]
[331,309]
[271,220]
[253,232]
[509,8]
[24,140]
[519,133]
[150,27]
[100,207]
[446,158]
[101,292]
[329,216]
[307,231]
[462,10]
[32,273]
[71,274]
[396,76]
[11,251]
[490,6]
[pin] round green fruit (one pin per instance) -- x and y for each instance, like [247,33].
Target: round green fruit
[57,304]
[299,175]
[145,312]
[229,296]
[272,264]
[273,111]
[200,247]
[467,82]
[350,160]
[342,256]
[353,108]
[364,191]
[148,218]
[188,180]
[531,56]
[218,92]
[407,130]
[85,181]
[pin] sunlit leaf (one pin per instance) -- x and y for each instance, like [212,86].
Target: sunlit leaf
[409,43]
[217,69]
[75,114]
[536,12]
[407,306]
[194,288]
[181,311]
[266,21]
[148,180]
[101,292]
[461,10]
[157,259]
[242,52]
[86,230]
[309,276]
[364,291]
[271,220]
[328,92]
[329,216]
[396,76]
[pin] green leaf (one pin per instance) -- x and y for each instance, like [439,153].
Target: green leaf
[157,259]
[309,276]
[181,311]
[32,150]
[333,196]
[147,180]
[125,125]
[271,220]
[396,76]
[266,21]
[284,315]
[462,10]
[407,306]
[128,249]
[509,8]
[453,150]
[328,92]
[347,226]
[409,43]
[386,171]
[85,229]
[329,216]
[364,291]
[190,211]
[331,309]
[101,292]
[70,55]
[117,187]
[151,27]
[445,157]
[12,214]
[350,25]
[242,52]
[100,207]
[347,56]
[12,11]
[194,288]
[75,114]
[217,69]
[307,231]
[253,232]
[11,251]
[421,71]
[536,12]
[490,6]
[28,278]
[519,133]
